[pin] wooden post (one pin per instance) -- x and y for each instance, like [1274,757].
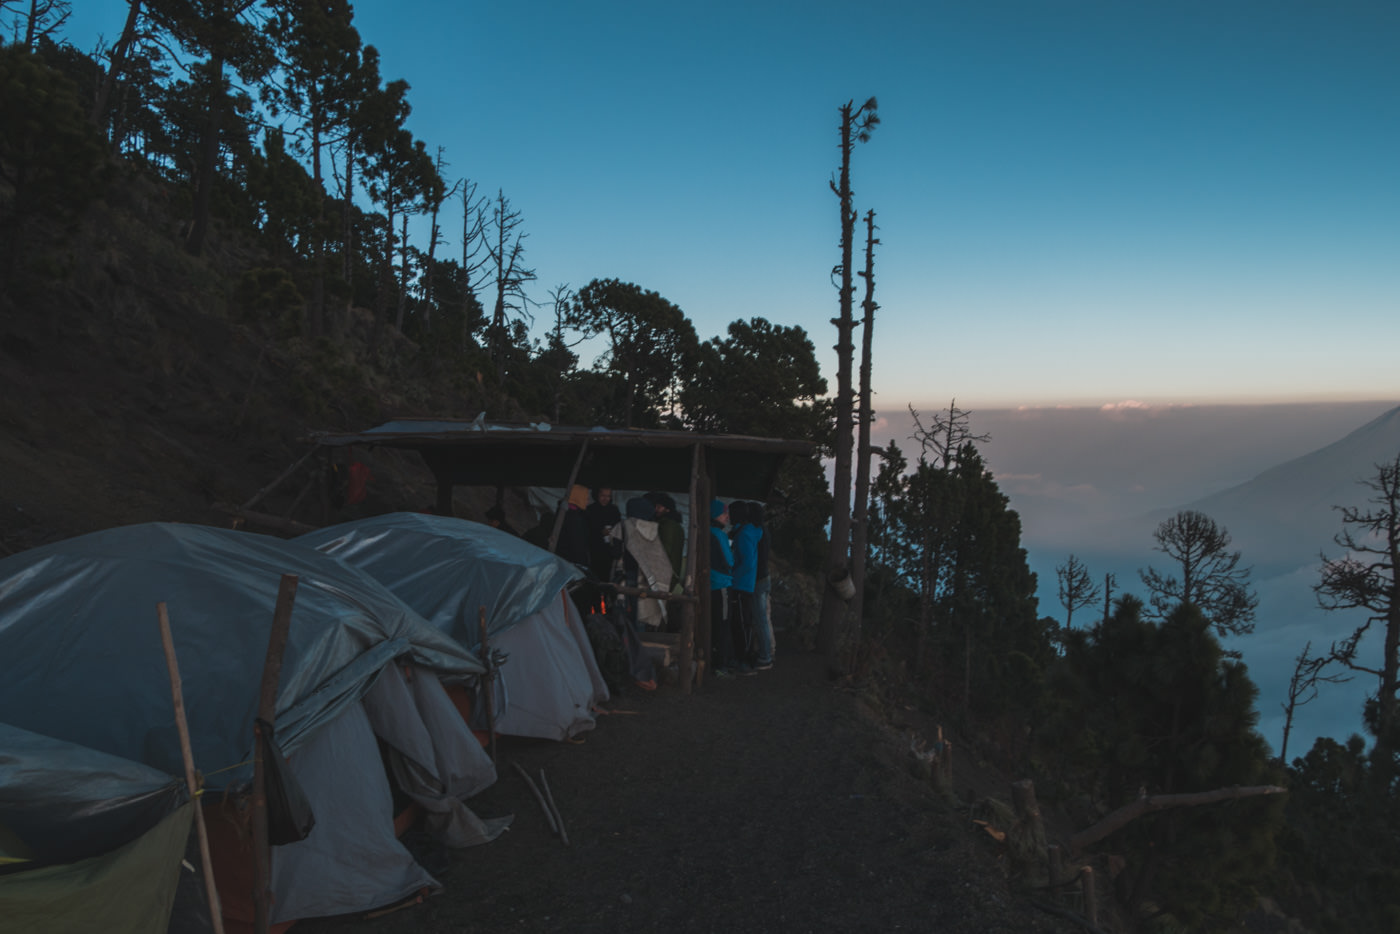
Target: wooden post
[216,913]
[267,712]
[1091,904]
[1056,857]
[700,548]
[692,586]
[489,680]
[442,505]
[564,503]
[325,487]
[1028,851]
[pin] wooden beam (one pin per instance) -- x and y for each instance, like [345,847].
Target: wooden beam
[291,526]
[281,478]
[700,552]
[177,694]
[564,503]
[1149,803]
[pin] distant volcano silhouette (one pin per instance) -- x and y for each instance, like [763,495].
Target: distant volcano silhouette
[1288,514]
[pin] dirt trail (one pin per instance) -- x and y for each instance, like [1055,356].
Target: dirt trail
[764,803]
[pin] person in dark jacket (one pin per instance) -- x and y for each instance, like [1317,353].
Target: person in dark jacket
[672,535]
[572,546]
[602,515]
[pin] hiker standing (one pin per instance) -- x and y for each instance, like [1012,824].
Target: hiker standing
[603,549]
[721,570]
[672,535]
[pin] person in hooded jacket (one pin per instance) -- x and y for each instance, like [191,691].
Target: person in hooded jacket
[672,535]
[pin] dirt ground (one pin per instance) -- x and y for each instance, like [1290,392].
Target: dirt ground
[766,803]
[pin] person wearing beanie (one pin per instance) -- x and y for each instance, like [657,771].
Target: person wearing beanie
[672,535]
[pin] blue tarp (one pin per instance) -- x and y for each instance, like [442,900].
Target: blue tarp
[451,568]
[81,658]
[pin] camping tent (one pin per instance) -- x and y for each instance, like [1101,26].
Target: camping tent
[451,571]
[87,727]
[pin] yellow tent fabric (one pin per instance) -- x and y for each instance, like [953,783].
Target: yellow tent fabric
[127,891]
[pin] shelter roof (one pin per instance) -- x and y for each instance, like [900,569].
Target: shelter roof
[479,453]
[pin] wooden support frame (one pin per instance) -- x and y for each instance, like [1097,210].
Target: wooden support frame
[700,555]
[564,503]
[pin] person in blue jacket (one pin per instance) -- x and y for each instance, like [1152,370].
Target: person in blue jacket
[721,576]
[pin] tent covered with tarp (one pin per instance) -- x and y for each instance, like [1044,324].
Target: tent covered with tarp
[89,751]
[453,572]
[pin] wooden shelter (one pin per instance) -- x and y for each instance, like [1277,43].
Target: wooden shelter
[702,466]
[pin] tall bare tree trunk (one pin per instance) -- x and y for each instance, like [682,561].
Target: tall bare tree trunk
[860,531]
[856,126]
[208,159]
[838,557]
[116,65]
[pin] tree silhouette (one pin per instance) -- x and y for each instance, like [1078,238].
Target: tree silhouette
[1211,578]
[1308,672]
[1365,579]
[652,344]
[1076,589]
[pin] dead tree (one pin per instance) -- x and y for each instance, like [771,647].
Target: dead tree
[857,123]
[860,527]
[1302,690]
[1076,589]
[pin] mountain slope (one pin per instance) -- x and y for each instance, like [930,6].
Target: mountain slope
[1288,513]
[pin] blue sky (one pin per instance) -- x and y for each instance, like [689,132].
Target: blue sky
[1080,202]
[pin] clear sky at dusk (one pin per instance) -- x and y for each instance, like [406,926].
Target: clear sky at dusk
[1079,202]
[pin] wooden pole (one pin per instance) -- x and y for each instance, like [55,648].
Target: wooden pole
[1149,803]
[267,713]
[290,526]
[216,913]
[258,497]
[489,681]
[700,548]
[691,585]
[1091,901]
[554,808]
[539,796]
[564,503]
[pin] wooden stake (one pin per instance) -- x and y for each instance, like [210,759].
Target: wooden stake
[692,585]
[544,806]
[488,679]
[1091,904]
[267,712]
[554,808]
[216,912]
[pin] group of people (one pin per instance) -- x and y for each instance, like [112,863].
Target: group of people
[741,630]
[643,549]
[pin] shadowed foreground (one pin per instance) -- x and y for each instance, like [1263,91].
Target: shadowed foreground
[765,803]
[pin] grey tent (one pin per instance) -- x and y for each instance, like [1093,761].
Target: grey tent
[450,570]
[87,728]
